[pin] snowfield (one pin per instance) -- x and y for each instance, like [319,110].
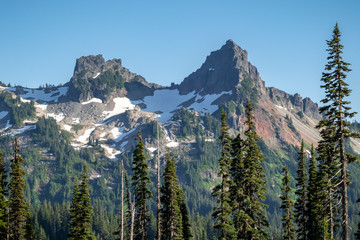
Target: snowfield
[165,101]
[121,105]
[40,95]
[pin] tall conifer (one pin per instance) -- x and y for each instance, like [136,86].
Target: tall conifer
[300,204]
[222,212]
[141,190]
[337,111]
[254,182]
[3,199]
[237,193]
[287,205]
[81,210]
[17,206]
[171,196]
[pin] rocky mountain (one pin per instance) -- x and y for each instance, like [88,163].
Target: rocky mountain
[104,105]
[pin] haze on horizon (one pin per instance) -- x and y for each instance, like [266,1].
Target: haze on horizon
[166,41]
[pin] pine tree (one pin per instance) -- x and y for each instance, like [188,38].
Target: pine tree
[17,205]
[313,206]
[287,205]
[171,194]
[300,204]
[254,182]
[74,231]
[337,111]
[328,178]
[3,200]
[222,212]
[81,210]
[140,180]
[29,229]
[130,212]
[186,225]
[237,193]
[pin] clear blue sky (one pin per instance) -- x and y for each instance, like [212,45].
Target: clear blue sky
[165,41]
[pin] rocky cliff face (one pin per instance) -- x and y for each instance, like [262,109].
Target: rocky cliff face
[222,71]
[95,77]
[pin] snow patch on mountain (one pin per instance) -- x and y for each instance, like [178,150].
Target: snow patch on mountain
[45,95]
[57,117]
[67,127]
[165,101]
[121,105]
[110,151]
[85,137]
[172,144]
[3,114]
[41,106]
[93,100]
[23,129]
[151,149]
[204,104]
[97,74]
[123,135]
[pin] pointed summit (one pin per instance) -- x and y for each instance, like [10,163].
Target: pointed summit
[222,71]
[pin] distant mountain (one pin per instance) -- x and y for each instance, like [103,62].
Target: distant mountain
[104,105]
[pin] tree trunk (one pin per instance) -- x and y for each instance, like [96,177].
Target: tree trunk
[132,220]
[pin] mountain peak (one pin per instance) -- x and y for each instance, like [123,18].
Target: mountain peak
[222,71]
[89,66]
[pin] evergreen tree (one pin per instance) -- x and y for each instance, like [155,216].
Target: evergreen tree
[81,210]
[313,206]
[337,111]
[327,194]
[130,211]
[186,225]
[17,206]
[253,182]
[300,204]
[222,212]
[3,199]
[237,193]
[287,205]
[171,203]
[29,229]
[140,180]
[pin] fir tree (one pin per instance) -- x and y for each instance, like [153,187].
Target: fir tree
[254,182]
[313,205]
[3,200]
[74,223]
[237,194]
[17,205]
[222,212]
[130,212]
[171,194]
[81,210]
[29,229]
[337,111]
[287,205]
[186,225]
[300,204]
[141,191]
